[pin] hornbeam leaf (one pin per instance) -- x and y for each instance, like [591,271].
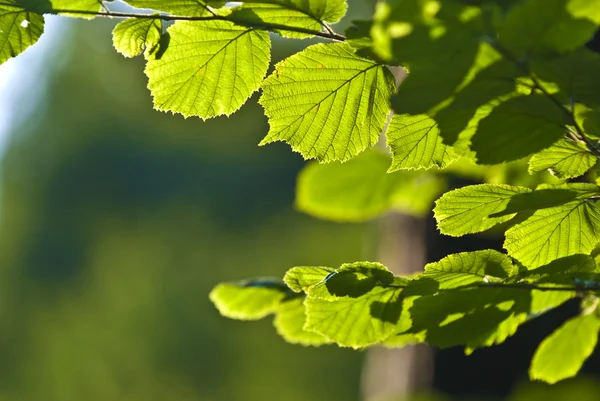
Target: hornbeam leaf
[289,323]
[209,68]
[555,232]
[562,354]
[467,210]
[19,29]
[564,159]
[326,102]
[188,8]
[361,189]
[415,143]
[465,268]
[517,128]
[561,25]
[302,278]
[135,36]
[311,14]
[249,300]
[356,322]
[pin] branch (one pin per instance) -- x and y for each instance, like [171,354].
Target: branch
[267,26]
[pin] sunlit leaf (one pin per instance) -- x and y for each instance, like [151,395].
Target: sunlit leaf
[209,68]
[249,300]
[468,210]
[326,102]
[289,323]
[135,36]
[302,278]
[416,144]
[564,159]
[562,354]
[190,8]
[19,29]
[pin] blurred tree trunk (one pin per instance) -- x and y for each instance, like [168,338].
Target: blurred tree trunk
[392,374]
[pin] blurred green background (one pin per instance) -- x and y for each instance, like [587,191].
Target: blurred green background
[115,223]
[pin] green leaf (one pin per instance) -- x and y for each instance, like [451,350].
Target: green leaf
[473,317]
[309,14]
[361,189]
[468,210]
[450,34]
[209,68]
[249,300]
[326,102]
[538,25]
[564,159]
[554,232]
[416,144]
[517,128]
[561,271]
[303,278]
[135,36]
[289,323]
[562,354]
[188,8]
[466,268]
[356,322]
[591,123]
[19,29]
[356,306]
[575,74]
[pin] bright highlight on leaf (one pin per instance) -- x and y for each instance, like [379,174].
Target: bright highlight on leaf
[289,323]
[517,128]
[550,233]
[209,68]
[19,29]
[311,14]
[249,300]
[190,8]
[326,102]
[564,159]
[416,144]
[562,354]
[469,209]
[135,36]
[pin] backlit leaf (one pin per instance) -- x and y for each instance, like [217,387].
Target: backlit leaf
[562,354]
[564,159]
[289,323]
[209,68]
[135,36]
[190,8]
[19,29]
[326,102]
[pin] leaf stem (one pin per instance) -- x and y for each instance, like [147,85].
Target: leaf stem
[267,26]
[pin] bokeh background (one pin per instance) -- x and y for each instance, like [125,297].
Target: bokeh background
[117,220]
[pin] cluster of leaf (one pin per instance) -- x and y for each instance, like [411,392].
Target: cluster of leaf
[490,85]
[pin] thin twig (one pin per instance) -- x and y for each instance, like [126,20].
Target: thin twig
[214,17]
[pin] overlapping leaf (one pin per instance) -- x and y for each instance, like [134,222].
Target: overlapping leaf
[562,354]
[190,8]
[538,25]
[302,278]
[249,300]
[326,102]
[361,189]
[210,68]
[564,159]
[135,36]
[517,128]
[311,14]
[569,228]
[416,144]
[289,323]
[469,209]
[19,29]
